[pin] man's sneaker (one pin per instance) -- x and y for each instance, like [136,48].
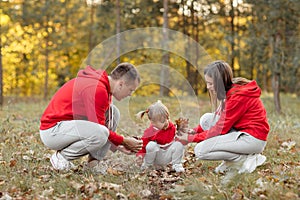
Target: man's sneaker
[60,163]
[178,168]
[252,161]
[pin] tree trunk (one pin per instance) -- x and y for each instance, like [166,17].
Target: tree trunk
[232,44]
[164,74]
[237,51]
[252,57]
[91,33]
[186,50]
[46,61]
[276,84]
[265,77]
[67,30]
[196,38]
[276,73]
[1,76]
[118,25]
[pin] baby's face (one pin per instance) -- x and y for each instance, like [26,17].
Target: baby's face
[160,124]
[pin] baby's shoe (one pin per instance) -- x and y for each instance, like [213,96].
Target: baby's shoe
[145,166]
[178,168]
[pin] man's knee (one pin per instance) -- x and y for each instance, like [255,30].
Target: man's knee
[103,130]
[116,113]
[101,135]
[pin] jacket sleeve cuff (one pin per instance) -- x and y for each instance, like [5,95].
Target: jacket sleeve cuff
[198,129]
[198,137]
[115,138]
[191,138]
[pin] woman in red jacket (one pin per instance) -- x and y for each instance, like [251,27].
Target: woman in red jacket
[237,130]
[159,147]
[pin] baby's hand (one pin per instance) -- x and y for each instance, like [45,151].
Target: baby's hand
[183,138]
[182,126]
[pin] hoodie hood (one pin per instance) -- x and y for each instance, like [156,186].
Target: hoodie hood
[99,76]
[90,72]
[251,89]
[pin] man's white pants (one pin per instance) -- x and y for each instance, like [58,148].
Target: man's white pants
[77,138]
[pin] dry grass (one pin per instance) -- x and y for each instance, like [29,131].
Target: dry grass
[26,173]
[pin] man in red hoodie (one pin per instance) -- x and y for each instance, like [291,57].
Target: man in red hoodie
[81,119]
[237,131]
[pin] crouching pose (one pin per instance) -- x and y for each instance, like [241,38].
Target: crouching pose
[159,145]
[237,130]
[81,119]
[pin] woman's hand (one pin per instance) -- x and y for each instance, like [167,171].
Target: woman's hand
[132,144]
[191,131]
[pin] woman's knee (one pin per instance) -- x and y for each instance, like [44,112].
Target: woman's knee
[208,120]
[200,151]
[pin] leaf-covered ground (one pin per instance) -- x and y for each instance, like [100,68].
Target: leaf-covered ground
[26,173]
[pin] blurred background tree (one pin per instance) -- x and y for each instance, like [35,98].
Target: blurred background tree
[43,43]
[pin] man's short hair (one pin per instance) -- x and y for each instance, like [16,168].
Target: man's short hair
[126,70]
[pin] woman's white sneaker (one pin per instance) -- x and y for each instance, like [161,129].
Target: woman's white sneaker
[252,161]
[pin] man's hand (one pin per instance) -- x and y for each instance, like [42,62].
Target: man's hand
[124,150]
[132,144]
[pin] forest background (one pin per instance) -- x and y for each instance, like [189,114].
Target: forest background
[44,43]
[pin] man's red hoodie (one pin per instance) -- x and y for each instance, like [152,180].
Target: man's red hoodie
[86,97]
[244,111]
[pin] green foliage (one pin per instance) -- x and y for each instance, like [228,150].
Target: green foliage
[60,33]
